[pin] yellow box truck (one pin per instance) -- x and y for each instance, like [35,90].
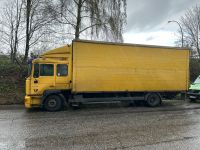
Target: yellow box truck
[91,71]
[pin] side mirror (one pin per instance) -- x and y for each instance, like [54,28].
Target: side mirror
[36,75]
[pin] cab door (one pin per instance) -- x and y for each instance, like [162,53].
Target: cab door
[62,78]
[43,78]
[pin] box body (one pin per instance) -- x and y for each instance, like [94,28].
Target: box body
[110,67]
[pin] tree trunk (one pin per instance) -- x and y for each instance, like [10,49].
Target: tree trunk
[26,49]
[11,45]
[11,54]
[198,51]
[15,42]
[78,21]
[28,9]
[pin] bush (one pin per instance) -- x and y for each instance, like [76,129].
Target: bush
[12,81]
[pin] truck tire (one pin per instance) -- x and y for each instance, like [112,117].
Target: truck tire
[153,99]
[53,103]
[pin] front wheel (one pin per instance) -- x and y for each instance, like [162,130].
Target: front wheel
[153,100]
[53,103]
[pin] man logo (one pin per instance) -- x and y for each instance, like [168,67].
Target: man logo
[35,90]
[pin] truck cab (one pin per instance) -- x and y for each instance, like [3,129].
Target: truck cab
[194,90]
[49,73]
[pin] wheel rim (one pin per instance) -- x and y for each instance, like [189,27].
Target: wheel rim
[153,99]
[52,103]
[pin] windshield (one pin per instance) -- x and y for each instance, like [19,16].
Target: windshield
[197,81]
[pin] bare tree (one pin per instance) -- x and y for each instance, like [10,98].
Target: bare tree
[104,19]
[35,23]
[190,23]
[28,14]
[11,26]
[23,24]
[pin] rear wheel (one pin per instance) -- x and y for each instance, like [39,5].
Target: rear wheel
[153,99]
[53,103]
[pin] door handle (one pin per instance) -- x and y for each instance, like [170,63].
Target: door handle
[35,81]
[51,86]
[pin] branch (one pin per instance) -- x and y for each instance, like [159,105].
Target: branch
[75,2]
[34,42]
[92,26]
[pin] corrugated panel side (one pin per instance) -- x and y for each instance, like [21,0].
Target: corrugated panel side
[107,68]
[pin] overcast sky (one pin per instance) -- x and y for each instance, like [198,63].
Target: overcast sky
[147,20]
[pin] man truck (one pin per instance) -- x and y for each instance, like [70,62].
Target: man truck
[96,72]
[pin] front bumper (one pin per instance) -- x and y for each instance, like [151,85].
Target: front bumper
[32,101]
[193,94]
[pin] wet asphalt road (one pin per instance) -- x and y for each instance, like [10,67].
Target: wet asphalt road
[166,127]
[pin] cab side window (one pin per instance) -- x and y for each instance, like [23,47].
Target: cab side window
[46,70]
[36,71]
[62,70]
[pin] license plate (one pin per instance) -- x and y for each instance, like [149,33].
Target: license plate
[193,97]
